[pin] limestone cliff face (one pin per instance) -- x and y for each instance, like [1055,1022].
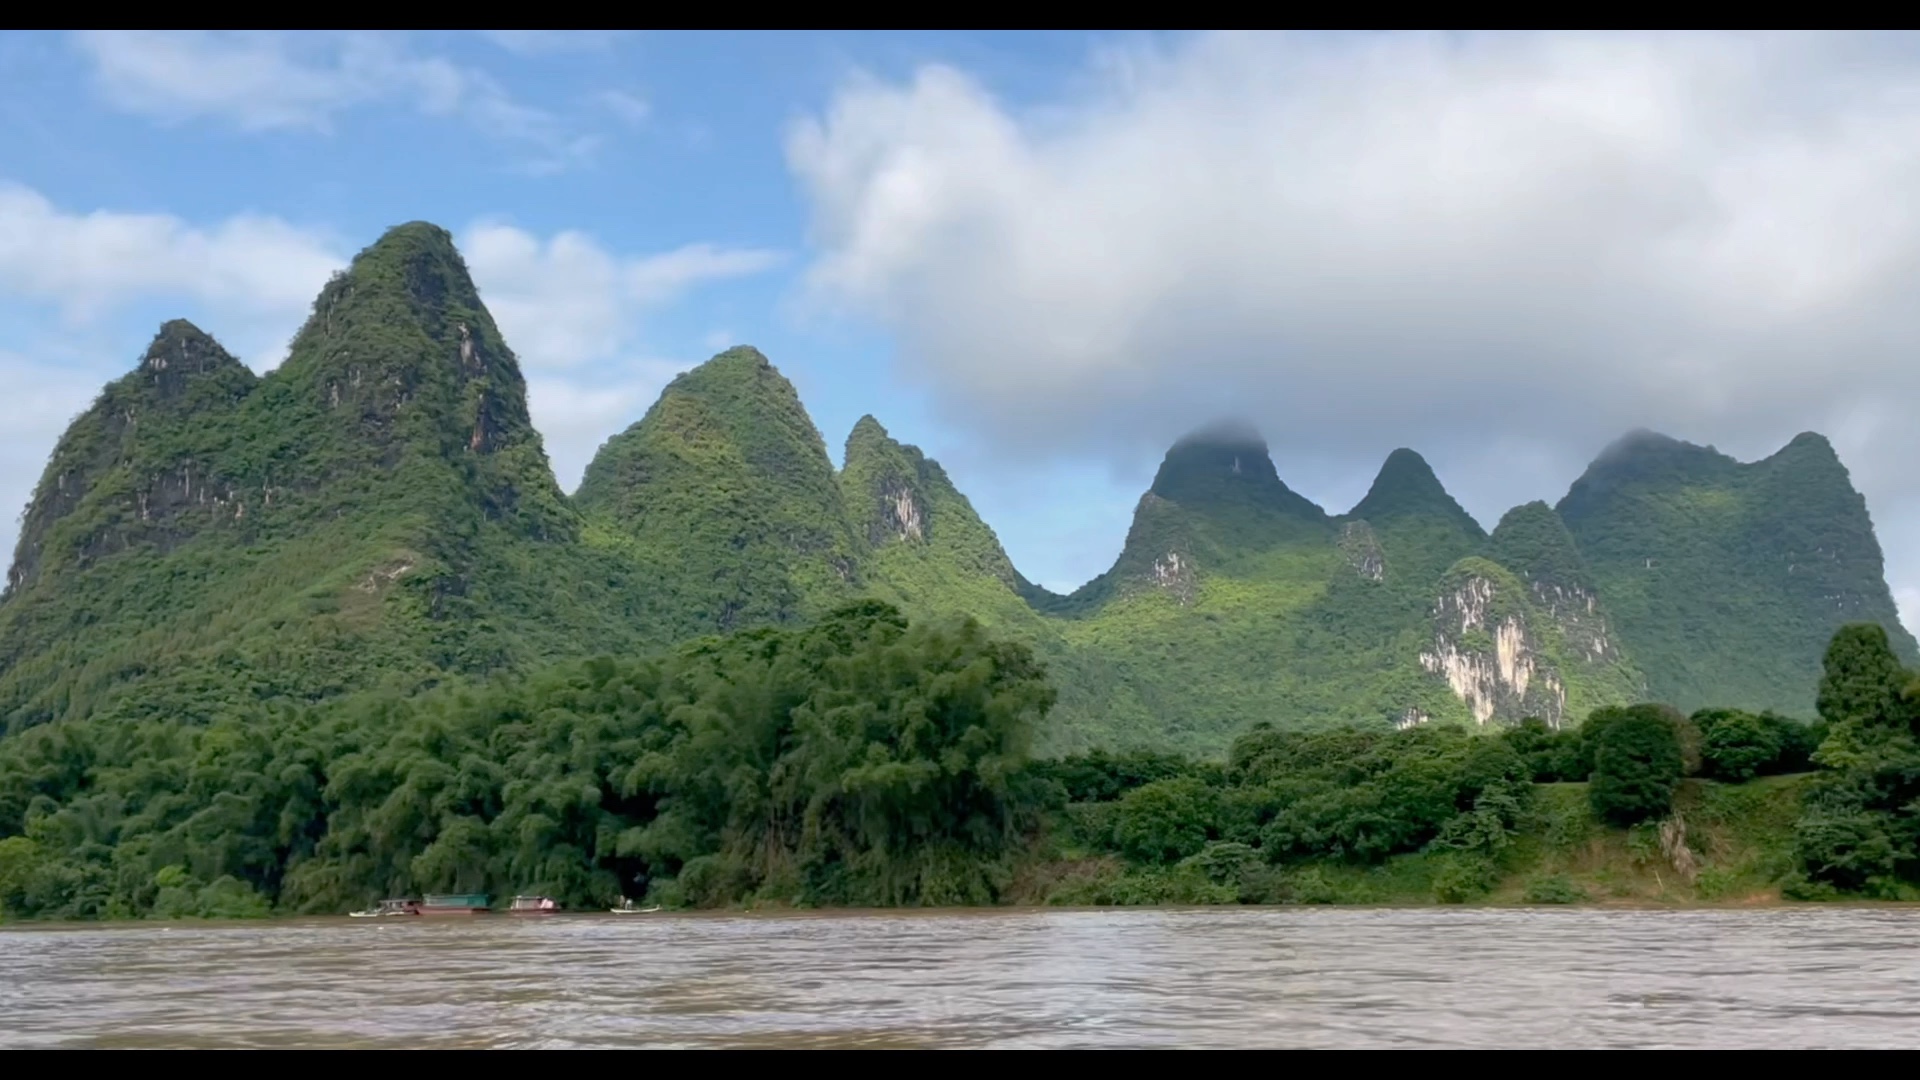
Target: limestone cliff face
[1173,574]
[901,501]
[1488,653]
[900,515]
[139,467]
[1361,549]
[1510,648]
[1583,625]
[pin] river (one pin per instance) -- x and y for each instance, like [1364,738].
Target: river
[1227,978]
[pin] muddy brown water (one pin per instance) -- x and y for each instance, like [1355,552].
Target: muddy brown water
[1219,978]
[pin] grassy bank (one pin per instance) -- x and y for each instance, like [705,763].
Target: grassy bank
[1725,844]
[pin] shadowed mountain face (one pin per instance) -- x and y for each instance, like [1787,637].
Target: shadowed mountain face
[378,513]
[1726,579]
[725,492]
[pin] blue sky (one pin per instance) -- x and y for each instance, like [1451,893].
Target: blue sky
[1039,256]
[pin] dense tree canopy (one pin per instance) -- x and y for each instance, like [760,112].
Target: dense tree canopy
[1637,763]
[867,760]
[1862,826]
[859,761]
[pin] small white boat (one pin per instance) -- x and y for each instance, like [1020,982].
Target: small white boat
[628,908]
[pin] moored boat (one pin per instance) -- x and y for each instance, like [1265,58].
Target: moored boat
[388,907]
[628,907]
[455,904]
[533,905]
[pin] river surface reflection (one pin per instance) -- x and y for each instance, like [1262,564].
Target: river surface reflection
[1823,977]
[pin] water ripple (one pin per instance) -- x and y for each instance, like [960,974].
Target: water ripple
[1830,978]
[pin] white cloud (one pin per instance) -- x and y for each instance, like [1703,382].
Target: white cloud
[566,301]
[261,81]
[573,312]
[260,272]
[660,278]
[569,308]
[41,400]
[1365,241]
[563,301]
[576,414]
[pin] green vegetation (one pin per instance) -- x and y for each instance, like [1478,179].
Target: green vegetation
[378,514]
[859,761]
[1636,763]
[246,614]
[1425,816]
[1725,580]
[1861,832]
[724,493]
[377,511]
[864,760]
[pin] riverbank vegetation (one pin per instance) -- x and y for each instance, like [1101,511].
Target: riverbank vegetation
[866,761]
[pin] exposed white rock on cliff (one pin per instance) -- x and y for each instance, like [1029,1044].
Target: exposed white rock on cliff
[1489,657]
[901,513]
[1582,624]
[1174,573]
[1362,550]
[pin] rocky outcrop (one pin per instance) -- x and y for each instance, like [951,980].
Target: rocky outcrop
[1174,574]
[1583,626]
[901,517]
[1487,653]
[140,459]
[1361,548]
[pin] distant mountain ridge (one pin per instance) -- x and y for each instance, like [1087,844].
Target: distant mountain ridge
[379,513]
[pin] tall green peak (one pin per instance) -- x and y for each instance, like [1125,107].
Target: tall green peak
[1226,464]
[1643,457]
[185,364]
[1724,578]
[735,411]
[866,431]
[739,357]
[1812,441]
[1809,451]
[725,491]
[1417,530]
[138,458]
[1406,485]
[897,496]
[1216,506]
[378,509]
[889,486]
[400,367]
[1533,542]
[416,265]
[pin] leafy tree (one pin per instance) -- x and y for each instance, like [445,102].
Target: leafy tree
[1738,745]
[1167,820]
[1636,765]
[1861,827]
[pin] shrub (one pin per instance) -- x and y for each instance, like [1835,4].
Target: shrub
[1739,746]
[1636,765]
[1554,889]
[1165,821]
[1464,877]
